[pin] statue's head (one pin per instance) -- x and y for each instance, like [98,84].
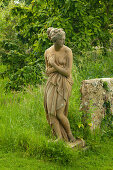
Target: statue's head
[56,35]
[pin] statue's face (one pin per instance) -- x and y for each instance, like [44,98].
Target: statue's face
[60,41]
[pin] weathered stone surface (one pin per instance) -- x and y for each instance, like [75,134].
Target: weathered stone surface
[79,143]
[95,93]
[58,59]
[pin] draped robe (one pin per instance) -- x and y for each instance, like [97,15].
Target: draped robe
[57,92]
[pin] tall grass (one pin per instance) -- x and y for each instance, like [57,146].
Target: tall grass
[23,124]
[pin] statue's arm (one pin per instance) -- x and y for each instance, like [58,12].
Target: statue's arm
[65,71]
[49,69]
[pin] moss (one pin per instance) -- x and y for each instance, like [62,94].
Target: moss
[106,123]
[105,86]
[107,106]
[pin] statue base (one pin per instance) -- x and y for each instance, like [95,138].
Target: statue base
[79,143]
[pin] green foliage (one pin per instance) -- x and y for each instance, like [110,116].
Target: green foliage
[24,37]
[4,3]
[30,74]
[98,158]
[23,125]
[23,65]
[24,128]
[93,64]
[83,26]
[27,129]
[105,86]
[107,122]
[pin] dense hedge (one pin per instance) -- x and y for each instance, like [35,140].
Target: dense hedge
[24,40]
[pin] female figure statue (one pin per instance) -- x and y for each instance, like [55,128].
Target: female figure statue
[58,59]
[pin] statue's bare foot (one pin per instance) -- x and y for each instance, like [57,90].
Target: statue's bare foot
[58,139]
[71,138]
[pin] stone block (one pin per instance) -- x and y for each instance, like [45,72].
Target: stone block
[94,94]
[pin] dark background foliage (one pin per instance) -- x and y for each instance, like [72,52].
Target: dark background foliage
[87,24]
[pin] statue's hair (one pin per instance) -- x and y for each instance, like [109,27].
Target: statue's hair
[55,33]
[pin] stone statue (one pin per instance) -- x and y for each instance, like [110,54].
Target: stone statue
[58,59]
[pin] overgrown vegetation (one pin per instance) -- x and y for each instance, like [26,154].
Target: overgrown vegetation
[23,125]
[105,86]
[24,128]
[23,40]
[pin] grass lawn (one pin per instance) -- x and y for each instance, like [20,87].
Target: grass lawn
[98,158]
[24,136]
[16,161]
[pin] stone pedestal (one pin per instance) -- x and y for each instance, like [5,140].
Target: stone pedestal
[79,143]
[95,94]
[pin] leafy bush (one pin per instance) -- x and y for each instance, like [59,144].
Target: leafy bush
[24,37]
[34,21]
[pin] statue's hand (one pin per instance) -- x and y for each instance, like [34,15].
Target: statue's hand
[50,70]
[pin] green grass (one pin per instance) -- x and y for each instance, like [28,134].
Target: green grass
[25,136]
[23,126]
[17,161]
[100,157]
